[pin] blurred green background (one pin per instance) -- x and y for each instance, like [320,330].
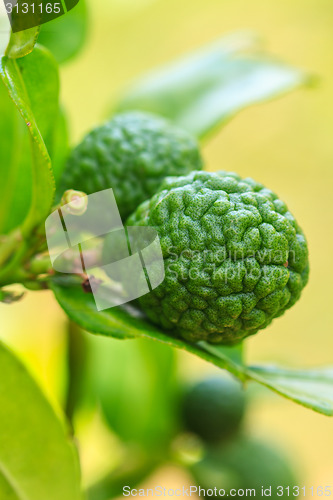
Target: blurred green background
[287,145]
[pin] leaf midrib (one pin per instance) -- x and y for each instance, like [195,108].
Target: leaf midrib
[12,483]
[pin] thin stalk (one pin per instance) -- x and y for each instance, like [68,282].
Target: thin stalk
[76,362]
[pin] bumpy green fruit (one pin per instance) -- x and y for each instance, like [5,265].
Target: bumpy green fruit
[214,408]
[234,257]
[132,154]
[245,464]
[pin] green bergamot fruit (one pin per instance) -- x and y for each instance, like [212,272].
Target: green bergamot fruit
[132,153]
[214,408]
[245,464]
[234,257]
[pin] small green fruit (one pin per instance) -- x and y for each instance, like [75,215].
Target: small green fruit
[214,408]
[131,154]
[234,257]
[245,464]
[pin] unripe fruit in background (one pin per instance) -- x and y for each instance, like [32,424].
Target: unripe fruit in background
[214,408]
[132,154]
[246,464]
[234,257]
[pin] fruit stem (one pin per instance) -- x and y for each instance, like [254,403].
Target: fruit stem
[76,361]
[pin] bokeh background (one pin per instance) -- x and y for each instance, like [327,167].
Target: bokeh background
[286,144]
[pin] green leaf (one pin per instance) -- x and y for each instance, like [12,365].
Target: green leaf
[60,147]
[37,458]
[122,378]
[6,489]
[33,84]
[80,307]
[22,43]
[234,353]
[65,36]
[126,379]
[310,388]
[14,142]
[205,88]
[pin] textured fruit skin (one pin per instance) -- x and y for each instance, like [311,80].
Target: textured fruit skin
[234,257]
[245,464]
[214,408]
[132,154]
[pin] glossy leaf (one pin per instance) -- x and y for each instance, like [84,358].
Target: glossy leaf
[33,84]
[205,88]
[65,36]
[310,388]
[15,141]
[22,43]
[80,307]
[37,458]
